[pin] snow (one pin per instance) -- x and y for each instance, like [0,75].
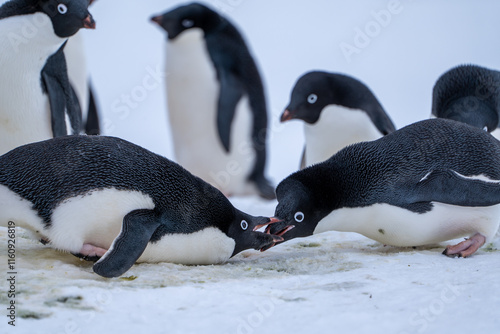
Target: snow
[331,282]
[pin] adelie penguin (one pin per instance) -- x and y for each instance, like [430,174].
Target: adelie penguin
[469,94]
[216,101]
[105,199]
[429,182]
[338,111]
[36,100]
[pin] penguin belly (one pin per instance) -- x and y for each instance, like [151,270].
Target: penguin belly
[192,93]
[207,246]
[391,225]
[24,108]
[337,128]
[77,70]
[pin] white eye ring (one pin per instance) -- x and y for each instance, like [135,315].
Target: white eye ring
[187,23]
[244,225]
[312,98]
[299,217]
[61,8]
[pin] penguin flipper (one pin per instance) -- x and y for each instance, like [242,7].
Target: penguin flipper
[303,159]
[450,187]
[92,124]
[137,228]
[231,92]
[383,123]
[62,97]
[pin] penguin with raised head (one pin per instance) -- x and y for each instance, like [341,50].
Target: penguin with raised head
[430,182]
[469,94]
[338,111]
[216,101]
[78,74]
[36,100]
[107,199]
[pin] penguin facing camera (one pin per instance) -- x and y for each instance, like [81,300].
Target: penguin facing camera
[216,102]
[105,199]
[430,182]
[338,111]
[37,101]
[469,94]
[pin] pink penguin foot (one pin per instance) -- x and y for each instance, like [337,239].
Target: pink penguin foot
[90,252]
[466,248]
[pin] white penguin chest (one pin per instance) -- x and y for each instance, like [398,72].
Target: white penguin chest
[208,246]
[337,128]
[192,93]
[395,226]
[27,42]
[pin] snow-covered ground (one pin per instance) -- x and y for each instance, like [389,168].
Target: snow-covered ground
[333,282]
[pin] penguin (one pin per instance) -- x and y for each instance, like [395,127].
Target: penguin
[78,74]
[469,94]
[338,110]
[216,102]
[36,99]
[429,182]
[105,199]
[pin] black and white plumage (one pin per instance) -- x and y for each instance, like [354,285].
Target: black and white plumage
[103,197]
[429,182]
[78,74]
[36,100]
[338,111]
[469,94]
[216,101]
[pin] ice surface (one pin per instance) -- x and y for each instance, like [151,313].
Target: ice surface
[333,282]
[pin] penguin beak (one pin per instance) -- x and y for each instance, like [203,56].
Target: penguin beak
[157,19]
[89,22]
[271,221]
[286,116]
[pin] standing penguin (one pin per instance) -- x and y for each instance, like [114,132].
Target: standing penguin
[216,102]
[338,111]
[105,198]
[469,94]
[429,182]
[36,99]
[78,74]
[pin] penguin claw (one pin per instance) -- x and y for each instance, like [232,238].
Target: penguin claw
[466,248]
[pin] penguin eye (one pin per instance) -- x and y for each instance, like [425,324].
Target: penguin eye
[299,217]
[244,225]
[61,8]
[187,23]
[312,98]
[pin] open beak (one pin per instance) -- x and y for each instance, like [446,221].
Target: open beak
[89,22]
[277,237]
[266,225]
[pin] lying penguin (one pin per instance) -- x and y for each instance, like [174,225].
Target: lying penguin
[216,101]
[469,94]
[429,182]
[107,199]
[338,111]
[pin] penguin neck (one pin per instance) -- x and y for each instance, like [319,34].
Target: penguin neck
[30,37]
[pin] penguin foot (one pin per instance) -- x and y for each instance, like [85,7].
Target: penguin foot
[466,248]
[90,253]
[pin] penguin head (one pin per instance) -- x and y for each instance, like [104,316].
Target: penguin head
[468,94]
[67,16]
[310,95]
[243,230]
[194,15]
[302,203]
